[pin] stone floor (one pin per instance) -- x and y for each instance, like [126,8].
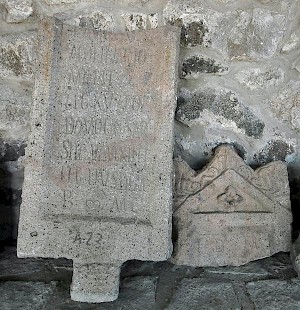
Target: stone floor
[44,284]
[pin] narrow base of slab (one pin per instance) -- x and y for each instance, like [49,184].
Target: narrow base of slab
[94,282]
[93,298]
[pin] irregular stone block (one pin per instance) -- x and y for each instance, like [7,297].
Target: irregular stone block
[14,113]
[193,66]
[17,55]
[18,10]
[291,44]
[223,103]
[11,179]
[229,214]
[275,294]
[258,78]
[289,112]
[58,2]
[275,150]
[295,255]
[89,18]
[25,295]
[238,34]
[98,176]
[204,294]
[135,21]
[98,20]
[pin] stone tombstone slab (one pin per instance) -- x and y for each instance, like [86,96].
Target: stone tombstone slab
[229,214]
[98,179]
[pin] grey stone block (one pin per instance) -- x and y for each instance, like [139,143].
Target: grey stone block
[229,214]
[275,294]
[204,294]
[98,176]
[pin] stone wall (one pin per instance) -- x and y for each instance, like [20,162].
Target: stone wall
[239,78]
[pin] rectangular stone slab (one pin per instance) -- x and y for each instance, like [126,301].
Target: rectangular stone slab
[98,176]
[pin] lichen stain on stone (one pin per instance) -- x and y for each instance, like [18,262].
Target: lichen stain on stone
[198,64]
[192,34]
[11,60]
[224,104]
[274,150]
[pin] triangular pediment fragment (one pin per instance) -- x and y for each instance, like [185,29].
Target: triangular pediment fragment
[229,193]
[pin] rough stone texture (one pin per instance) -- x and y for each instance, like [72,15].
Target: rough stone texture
[89,18]
[10,192]
[274,150]
[261,78]
[144,285]
[24,295]
[57,2]
[17,55]
[295,255]
[204,294]
[98,185]
[135,21]
[18,10]
[275,294]
[288,112]
[194,65]
[223,103]
[14,113]
[239,34]
[291,44]
[229,214]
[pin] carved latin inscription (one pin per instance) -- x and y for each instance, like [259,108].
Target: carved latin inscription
[99,160]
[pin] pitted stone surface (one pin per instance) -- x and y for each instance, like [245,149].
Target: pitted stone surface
[18,10]
[275,294]
[229,214]
[17,55]
[14,112]
[221,104]
[295,255]
[25,295]
[205,294]
[98,176]
[239,34]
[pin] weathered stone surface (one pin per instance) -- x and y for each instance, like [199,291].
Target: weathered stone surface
[17,55]
[89,18]
[221,102]
[239,34]
[274,150]
[285,104]
[14,113]
[98,185]
[11,179]
[275,294]
[139,21]
[57,2]
[193,66]
[25,295]
[295,255]
[251,271]
[18,10]
[207,294]
[229,214]
[258,78]
[29,269]
[11,150]
[291,44]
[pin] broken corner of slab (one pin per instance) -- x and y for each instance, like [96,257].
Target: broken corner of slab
[228,213]
[95,283]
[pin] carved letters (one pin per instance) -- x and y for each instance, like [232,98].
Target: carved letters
[229,214]
[98,181]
